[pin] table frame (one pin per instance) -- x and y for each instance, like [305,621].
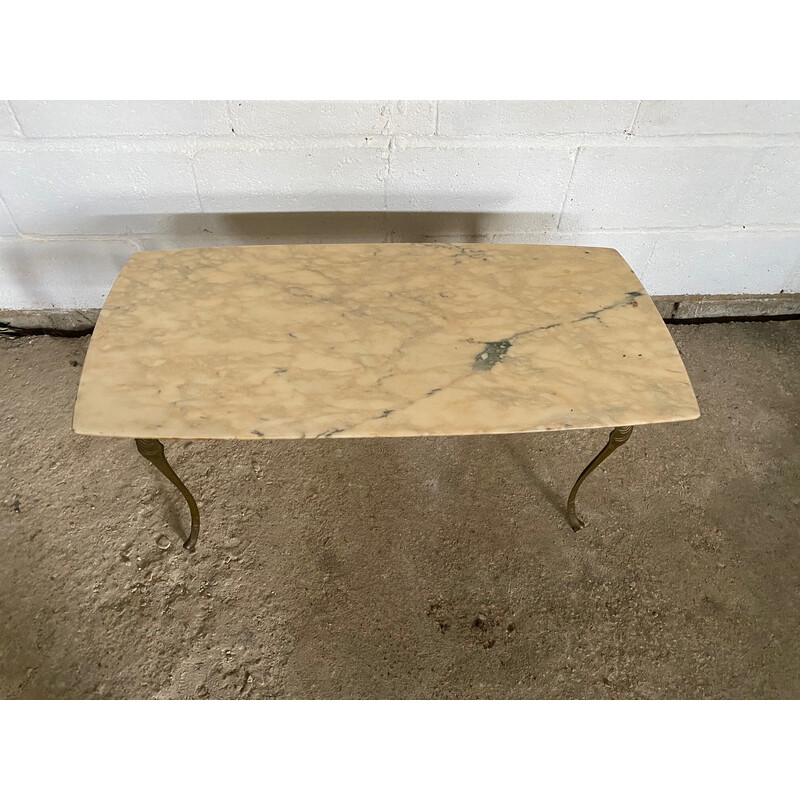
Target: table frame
[153,451]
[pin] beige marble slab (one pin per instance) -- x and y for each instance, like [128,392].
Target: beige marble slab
[377,340]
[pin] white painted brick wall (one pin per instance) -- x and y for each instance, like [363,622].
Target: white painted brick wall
[314,177]
[737,263]
[772,193]
[670,117]
[7,227]
[471,177]
[59,274]
[672,186]
[333,118]
[92,118]
[700,197]
[94,191]
[8,122]
[528,118]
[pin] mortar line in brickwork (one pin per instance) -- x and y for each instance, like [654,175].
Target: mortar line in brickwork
[100,238]
[16,118]
[642,272]
[775,227]
[196,185]
[185,144]
[635,117]
[133,237]
[569,186]
[10,216]
[387,174]
[229,114]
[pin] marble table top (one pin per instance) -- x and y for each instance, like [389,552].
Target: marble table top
[306,341]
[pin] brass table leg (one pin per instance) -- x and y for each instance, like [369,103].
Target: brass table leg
[153,451]
[617,437]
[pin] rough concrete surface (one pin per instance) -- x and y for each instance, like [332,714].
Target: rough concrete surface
[410,568]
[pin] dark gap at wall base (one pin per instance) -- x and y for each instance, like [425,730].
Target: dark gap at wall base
[726,307]
[718,320]
[12,332]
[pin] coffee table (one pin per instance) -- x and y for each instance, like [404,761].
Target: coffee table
[309,341]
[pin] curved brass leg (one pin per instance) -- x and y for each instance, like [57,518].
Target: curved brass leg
[617,437]
[153,451]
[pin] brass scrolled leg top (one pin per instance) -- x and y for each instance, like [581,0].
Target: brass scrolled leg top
[153,451]
[617,437]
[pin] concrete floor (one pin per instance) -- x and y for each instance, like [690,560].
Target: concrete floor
[417,568]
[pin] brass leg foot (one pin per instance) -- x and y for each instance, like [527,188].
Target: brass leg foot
[617,437]
[153,451]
